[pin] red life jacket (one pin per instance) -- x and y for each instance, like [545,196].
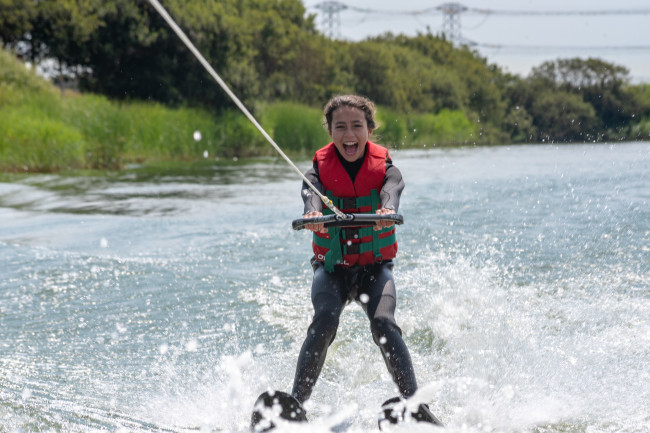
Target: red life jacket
[353,246]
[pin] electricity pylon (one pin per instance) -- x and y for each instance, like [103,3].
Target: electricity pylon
[332,17]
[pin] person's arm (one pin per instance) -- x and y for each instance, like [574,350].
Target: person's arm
[311,200]
[313,203]
[392,189]
[390,194]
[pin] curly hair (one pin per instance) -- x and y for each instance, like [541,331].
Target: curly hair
[361,102]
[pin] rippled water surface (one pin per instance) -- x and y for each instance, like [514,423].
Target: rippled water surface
[168,298]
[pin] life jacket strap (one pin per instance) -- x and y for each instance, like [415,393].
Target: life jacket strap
[359,247]
[350,204]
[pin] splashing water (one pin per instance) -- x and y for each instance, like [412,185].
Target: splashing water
[168,301]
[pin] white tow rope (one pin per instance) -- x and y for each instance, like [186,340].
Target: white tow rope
[161,10]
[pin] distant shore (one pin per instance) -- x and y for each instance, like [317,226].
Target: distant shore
[45,129]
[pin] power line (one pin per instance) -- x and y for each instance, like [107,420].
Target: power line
[456,7]
[451,18]
[538,48]
[483,11]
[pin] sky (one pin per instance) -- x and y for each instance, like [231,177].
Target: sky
[517,42]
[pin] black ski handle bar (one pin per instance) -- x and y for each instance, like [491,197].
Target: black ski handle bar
[351,220]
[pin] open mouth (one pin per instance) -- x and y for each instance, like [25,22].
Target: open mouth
[350,148]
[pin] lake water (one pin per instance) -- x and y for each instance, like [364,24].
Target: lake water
[166,300]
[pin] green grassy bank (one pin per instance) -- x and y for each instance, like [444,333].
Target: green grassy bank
[44,129]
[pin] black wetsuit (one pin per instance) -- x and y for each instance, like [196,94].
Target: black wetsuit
[331,292]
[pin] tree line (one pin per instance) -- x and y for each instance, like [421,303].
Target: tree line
[270,51]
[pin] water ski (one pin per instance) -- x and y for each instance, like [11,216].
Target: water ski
[274,405]
[393,411]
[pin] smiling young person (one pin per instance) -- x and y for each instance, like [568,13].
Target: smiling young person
[353,264]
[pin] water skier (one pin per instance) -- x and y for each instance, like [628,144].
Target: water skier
[353,264]
[350,263]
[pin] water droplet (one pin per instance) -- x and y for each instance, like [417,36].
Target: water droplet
[26,394]
[192,345]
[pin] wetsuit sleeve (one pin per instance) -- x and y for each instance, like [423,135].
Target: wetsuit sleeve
[392,189]
[311,200]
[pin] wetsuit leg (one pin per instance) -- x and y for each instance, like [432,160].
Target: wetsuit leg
[379,285]
[328,298]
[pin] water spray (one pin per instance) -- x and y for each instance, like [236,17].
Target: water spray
[179,32]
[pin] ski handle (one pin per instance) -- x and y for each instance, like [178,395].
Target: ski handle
[350,220]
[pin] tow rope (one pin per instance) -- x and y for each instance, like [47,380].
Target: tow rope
[179,32]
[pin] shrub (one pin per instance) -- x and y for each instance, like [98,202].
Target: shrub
[453,127]
[236,136]
[392,130]
[32,142]
[296,128]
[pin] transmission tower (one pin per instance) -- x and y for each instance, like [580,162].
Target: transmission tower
[332,17]
[451,21]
